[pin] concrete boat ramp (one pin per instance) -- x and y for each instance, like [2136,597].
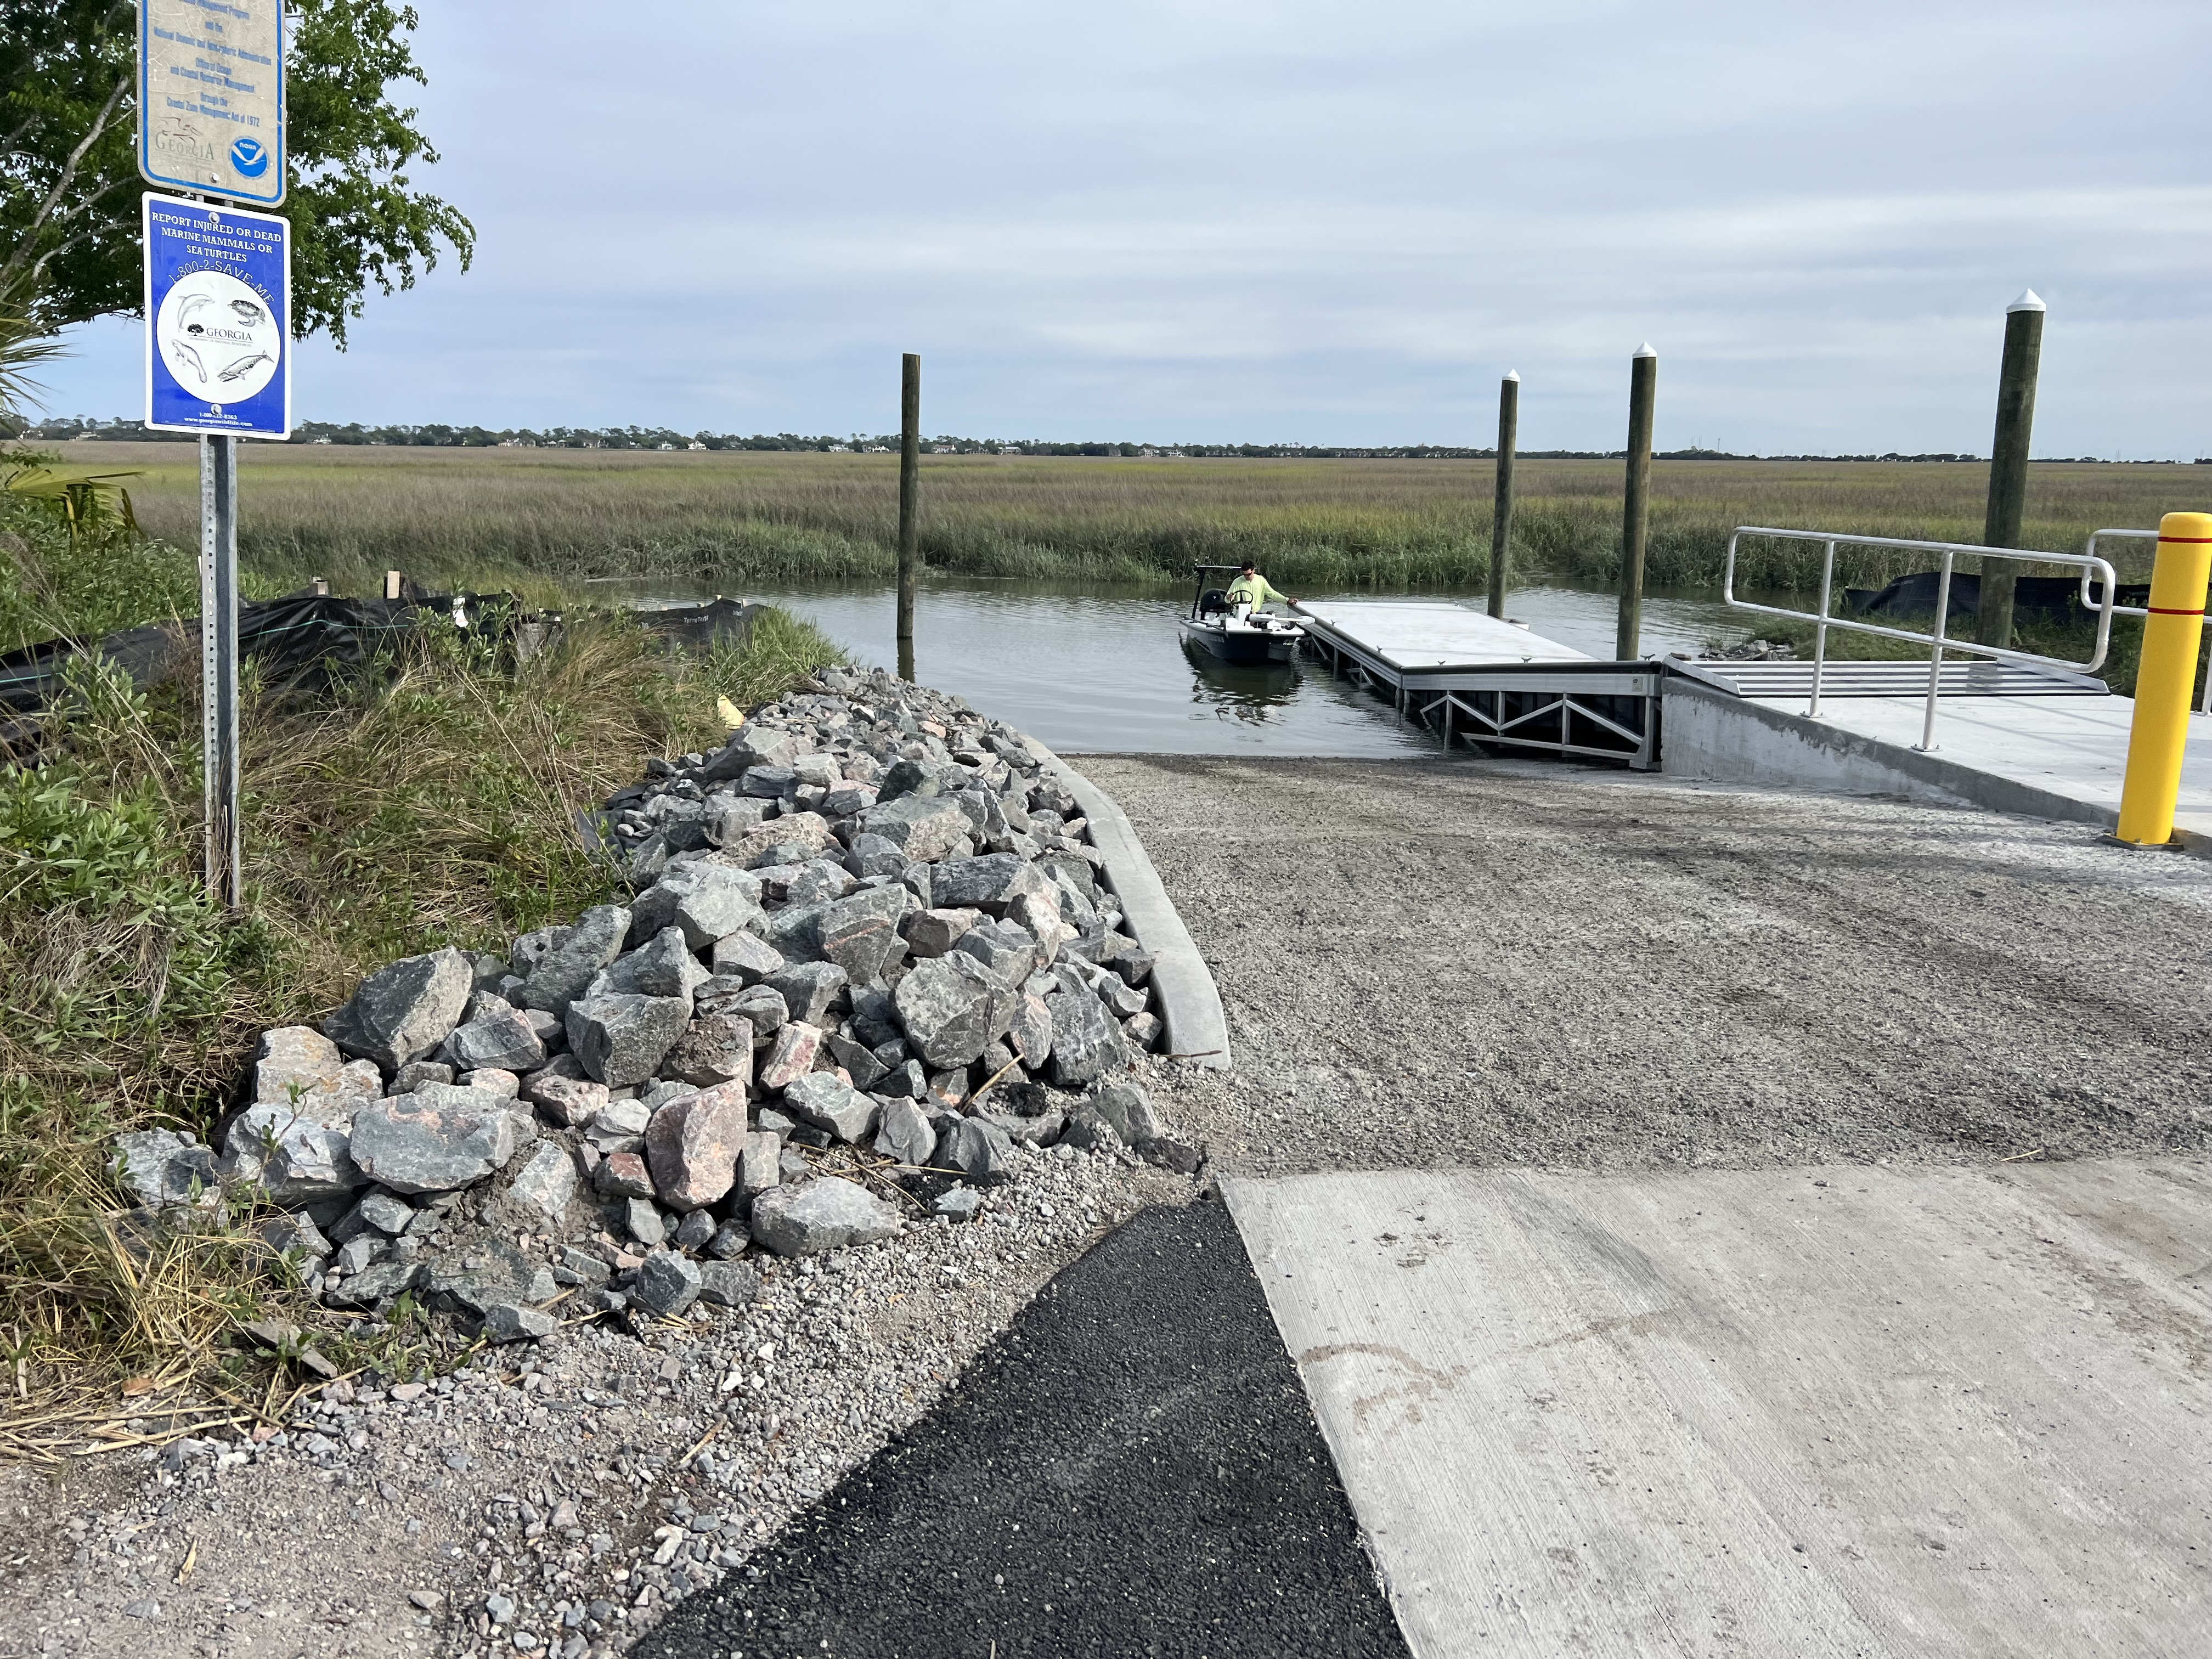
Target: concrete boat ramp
[1830,1411]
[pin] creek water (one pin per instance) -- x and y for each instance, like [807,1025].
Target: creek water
[1092,670]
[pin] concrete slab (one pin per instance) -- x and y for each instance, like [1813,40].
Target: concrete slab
[1434,635]
[1842,1411]
[2058,755]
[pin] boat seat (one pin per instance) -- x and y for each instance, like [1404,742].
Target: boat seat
[1213,602]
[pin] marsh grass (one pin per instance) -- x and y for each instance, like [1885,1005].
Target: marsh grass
[430,801]
[534,520]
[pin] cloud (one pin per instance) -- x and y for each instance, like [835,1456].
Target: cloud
[1333,222]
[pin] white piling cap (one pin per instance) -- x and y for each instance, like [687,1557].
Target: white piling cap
[1513,374]
[2028,300]
[1645,350]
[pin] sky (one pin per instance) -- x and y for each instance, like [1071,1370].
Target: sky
[1330,223]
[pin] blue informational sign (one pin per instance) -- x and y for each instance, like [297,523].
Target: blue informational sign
[218,319]
[211,97]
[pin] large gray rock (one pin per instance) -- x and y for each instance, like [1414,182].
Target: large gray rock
[811,989]
[819,1215]
[1087,1042]
[691,1145]
[503,1322]
[293,1061]
[299,1154]
[1129,1110]
[506,1041]
[433,1141]
[921,827]
[666,1283]
[404,1011]
[160,1167]
[932,932]
[728,1284]
[975,1148]
[860,935]
[1004,947]
[714,1049]
[575,958]
[990,884]
[952,1008]
[906,1134]
[702,899]
[759,1166]
[493,1273]
[795,933]
[790,1055]
[374,1286]
[864,1065]
[752,746]
[808,833]
[746,957]
[570,1102]
[661,966]
[546,1183]
[621,1039]
[760,1006]
[1030,1034]
[825,1101]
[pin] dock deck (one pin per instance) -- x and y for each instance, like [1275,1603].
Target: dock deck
[1474,678]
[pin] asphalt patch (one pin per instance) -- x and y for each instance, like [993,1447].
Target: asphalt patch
[1131,1469]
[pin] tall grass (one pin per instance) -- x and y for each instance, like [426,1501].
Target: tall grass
[499,518]
[430,801]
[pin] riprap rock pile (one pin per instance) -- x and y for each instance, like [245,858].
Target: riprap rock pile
[868,952]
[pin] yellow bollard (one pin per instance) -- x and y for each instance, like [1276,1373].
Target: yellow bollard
[2172,634]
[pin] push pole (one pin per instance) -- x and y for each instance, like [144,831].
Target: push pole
[909,528]
[1501,512]
[2165,678]
[219,662]
[2023,352]
[1635,504]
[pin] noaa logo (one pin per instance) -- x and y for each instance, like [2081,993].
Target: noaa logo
[250,157]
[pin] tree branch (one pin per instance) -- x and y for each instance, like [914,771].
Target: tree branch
[13,267]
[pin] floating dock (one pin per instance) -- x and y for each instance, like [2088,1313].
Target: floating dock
[1474,678]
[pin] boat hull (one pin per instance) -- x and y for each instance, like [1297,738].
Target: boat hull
[1243,646]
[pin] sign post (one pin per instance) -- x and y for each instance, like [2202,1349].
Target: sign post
[218,363]
[218,311]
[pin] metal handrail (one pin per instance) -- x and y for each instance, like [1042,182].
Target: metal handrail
[1941,638]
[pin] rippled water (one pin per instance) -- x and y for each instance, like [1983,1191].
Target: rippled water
[1092,671]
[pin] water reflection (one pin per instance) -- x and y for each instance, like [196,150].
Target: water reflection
[1240,691]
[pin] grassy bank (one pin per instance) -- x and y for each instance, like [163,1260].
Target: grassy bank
[494,518]
[430,802]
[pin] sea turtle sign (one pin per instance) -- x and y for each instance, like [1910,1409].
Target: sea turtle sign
[211,97]
[218,313]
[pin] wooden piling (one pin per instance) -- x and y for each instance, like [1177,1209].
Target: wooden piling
[909,526]
[1636,504]
[2008,505]
[1501,515]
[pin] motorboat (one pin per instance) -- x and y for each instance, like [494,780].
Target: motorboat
[1237,633]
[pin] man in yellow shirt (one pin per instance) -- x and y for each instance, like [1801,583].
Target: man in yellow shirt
[1252,590]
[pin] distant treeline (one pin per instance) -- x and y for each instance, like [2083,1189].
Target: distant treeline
[646,437]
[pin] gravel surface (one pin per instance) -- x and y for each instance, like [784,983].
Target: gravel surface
[576,1487]
[1131,1469]
[1469,962]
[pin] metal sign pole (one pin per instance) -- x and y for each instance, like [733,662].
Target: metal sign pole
[219,662]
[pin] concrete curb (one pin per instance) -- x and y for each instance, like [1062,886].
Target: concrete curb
[1189,1003]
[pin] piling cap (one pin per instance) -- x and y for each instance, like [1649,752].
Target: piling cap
[2028,300]
[1645,350]
[1513,374]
